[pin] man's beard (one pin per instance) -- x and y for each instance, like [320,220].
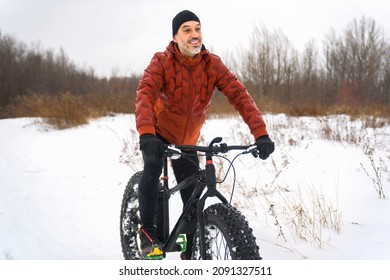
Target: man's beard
[188,50]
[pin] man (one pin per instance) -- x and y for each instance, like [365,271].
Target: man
[171,103]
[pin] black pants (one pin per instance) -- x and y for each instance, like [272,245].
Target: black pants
[148,185]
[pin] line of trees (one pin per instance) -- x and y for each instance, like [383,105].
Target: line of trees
[30,70]
[353,70]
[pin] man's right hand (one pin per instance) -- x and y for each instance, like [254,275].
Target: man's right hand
[151,147]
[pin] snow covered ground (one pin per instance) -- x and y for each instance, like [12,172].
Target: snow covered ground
[315,198]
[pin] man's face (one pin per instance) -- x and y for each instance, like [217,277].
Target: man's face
[189,38]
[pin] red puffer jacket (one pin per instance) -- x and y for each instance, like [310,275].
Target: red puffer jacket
[175,93]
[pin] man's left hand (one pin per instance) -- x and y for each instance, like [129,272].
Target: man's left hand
[265,146]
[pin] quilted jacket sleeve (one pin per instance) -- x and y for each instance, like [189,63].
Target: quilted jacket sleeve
[239,97]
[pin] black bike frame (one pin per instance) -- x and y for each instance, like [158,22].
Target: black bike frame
[192,214]
[189,218]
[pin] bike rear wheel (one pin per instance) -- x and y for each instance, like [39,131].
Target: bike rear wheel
[227,235]
[130,219]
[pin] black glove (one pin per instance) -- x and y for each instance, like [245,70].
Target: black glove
[151,147]
[265,146]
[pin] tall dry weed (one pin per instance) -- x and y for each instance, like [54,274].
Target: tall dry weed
[377,164]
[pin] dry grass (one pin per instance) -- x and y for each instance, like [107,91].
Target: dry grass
[307,217]
[66,110]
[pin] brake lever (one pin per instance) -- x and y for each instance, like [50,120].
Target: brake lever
[253,150]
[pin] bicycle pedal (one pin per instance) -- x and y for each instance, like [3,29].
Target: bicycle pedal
[182,242]
[153,258]
[156,254]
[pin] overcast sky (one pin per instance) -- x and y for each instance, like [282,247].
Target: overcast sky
[122,35]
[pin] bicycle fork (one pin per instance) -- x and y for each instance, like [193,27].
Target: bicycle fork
[211,183]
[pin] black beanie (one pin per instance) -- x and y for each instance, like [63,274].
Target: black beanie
[181,18]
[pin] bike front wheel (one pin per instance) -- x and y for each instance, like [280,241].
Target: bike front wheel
[227,235]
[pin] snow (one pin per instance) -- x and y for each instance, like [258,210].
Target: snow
[61,190]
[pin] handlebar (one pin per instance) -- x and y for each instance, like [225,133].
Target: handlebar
[215,147]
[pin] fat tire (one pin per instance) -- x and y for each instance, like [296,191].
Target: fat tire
[130,219]
[229,226]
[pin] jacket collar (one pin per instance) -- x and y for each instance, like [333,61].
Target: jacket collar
[185,60]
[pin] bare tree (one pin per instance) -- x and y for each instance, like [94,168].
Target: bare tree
[356,61]
[270,63]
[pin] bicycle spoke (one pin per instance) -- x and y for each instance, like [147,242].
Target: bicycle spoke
[219,247]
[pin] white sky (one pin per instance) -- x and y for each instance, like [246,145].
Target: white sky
[122,35]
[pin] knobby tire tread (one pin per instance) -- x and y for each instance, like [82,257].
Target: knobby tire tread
[232,224]
[129,222]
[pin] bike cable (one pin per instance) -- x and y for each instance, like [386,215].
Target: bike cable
[231,166]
